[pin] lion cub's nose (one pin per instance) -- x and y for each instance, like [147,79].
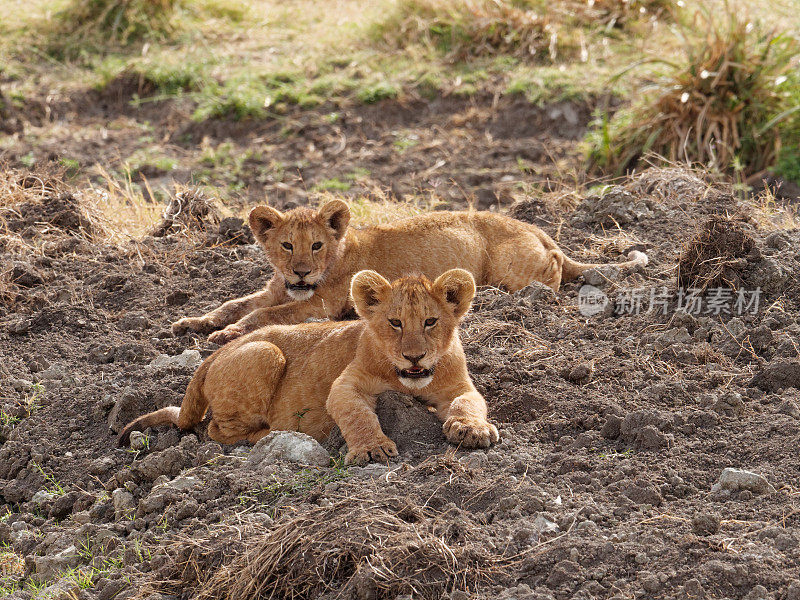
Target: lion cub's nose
[301,274]
[414,359]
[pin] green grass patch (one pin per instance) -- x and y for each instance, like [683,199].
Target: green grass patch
[730,102]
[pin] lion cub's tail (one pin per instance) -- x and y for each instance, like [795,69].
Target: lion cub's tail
[571,268]
[191,412]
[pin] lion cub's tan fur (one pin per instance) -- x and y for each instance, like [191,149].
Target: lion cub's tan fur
[315,256]
[281,377]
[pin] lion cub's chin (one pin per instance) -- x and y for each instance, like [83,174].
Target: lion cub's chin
[300,295]
[415,382]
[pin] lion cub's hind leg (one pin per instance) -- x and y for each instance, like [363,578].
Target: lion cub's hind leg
[240,386]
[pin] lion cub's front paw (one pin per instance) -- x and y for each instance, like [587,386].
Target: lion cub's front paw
[196,324]
[230,333]
[470,433]
[381,450]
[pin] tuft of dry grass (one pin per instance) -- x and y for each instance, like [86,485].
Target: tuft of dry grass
[379,208]
[461,29]
[84,24]
[771,214]
[527,29]
[372,549]
[725,105]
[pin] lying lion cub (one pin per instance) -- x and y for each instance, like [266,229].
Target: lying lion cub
[280,377]
[315,256]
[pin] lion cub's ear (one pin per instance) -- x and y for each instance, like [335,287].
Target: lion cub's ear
[336,215]
[368,289]
[263,219]
[457,288]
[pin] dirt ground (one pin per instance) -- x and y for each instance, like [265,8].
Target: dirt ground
[615,426]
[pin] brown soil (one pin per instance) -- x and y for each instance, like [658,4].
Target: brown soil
[614,428]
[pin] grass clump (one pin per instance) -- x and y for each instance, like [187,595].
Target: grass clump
[733,102]
[461,29]
[92,24]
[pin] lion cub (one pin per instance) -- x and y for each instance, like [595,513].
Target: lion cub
[315,256]
[283,377]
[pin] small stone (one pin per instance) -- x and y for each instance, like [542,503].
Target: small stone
[182,483]
[536,291]
[123,503]
[139,441]
[738,479]
[287,446]
[48,567]
[600,276]
[189,359]
[544,525]
[641,558]
[789,407]
[705,523]
[474,460]
[64,589]
[758,592]
[372,470]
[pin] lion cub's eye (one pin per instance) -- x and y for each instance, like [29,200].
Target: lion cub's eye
[395,323]
[316,245]
[430,322]
[287,246]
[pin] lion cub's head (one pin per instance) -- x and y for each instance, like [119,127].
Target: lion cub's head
[302,243]
[413,320]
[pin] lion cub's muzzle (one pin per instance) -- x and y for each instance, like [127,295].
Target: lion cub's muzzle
[415,372]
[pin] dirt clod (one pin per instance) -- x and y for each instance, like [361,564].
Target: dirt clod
[714,257]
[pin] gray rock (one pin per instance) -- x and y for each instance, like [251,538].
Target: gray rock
[789,407]
[48,567]
[136,321]
[536,291]
[123,503]
[599,276]
[287,446]
[181,483]
[64,589]
[373,470]
[758,592]
[125,409]
[188,359]
[544,525]
[42,496]
[139,441]
[21,385]
[737,480]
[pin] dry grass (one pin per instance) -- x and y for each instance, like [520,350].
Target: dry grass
[467,28]
[379,208]
[724,105]
[11,563]
[526,29]
[87,23]
[773,215]
[377,550]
